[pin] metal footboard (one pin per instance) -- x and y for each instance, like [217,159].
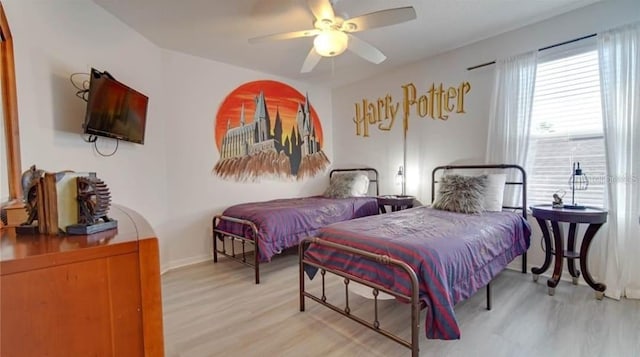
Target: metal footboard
[225,236]
[413,299]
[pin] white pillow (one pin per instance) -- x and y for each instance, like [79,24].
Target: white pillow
[494,192]
[360,185]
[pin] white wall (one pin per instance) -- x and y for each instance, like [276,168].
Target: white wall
[52,40]
[462,138]
[169,179]
[195,88]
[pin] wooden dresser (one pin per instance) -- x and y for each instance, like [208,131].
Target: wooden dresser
[96,295]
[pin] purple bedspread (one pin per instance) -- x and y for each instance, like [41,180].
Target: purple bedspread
[453,255]
[284,223]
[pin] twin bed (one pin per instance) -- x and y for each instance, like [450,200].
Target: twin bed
[272,226]
[426,257]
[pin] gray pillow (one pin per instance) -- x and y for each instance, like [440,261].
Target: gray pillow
[349,184]
[463,194]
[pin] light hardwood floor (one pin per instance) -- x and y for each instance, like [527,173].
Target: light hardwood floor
[217,310]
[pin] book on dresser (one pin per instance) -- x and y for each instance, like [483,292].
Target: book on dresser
[59,200]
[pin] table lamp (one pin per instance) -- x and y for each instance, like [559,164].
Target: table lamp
[400,179]
[577,181]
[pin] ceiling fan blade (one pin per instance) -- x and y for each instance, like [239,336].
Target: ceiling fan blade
[379,19]
[311,61]
[365,50]
[321,9]
[284,36]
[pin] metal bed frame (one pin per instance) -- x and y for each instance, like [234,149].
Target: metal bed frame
[413,299]
[242,256]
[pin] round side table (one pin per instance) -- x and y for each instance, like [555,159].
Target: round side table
[547,215]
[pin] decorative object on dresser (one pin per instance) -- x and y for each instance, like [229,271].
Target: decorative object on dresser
[64,202]
[94,200]
[32,191]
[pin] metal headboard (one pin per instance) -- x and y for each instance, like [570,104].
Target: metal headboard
[522,182]
[371,173]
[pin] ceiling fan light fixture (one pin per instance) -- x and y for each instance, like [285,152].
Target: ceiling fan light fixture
[330,43]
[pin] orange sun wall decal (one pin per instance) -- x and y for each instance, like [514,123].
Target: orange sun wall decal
[268,128]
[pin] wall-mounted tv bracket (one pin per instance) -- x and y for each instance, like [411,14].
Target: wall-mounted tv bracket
[83,89]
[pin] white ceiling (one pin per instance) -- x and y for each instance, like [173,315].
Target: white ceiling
[219,30]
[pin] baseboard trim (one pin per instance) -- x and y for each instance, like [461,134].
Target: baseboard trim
[181,263]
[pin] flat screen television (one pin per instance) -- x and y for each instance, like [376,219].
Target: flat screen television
[115,110]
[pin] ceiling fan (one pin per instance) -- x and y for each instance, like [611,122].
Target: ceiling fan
[333,34]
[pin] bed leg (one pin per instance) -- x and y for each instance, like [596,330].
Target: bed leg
[257,264]
[489,296]
[415,313]
[301,273]
[215,242]
[524,263]
[215,249]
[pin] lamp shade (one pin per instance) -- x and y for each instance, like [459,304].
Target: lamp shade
[578,181]
[399,176]
[400,179]
[330,43]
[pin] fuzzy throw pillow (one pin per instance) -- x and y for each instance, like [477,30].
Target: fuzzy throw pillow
[349,184]
[463,194]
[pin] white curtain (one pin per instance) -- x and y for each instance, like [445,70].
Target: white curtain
[510,114]
[619,57]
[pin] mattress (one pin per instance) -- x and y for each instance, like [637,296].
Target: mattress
[283,223]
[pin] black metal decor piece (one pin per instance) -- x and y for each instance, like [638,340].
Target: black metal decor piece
[30,179]
[94,200]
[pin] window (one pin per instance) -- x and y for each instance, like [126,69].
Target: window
[566,127]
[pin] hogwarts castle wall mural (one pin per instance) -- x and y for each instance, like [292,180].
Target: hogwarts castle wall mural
[268,129]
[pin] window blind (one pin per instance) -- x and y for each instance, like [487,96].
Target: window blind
[566,127]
